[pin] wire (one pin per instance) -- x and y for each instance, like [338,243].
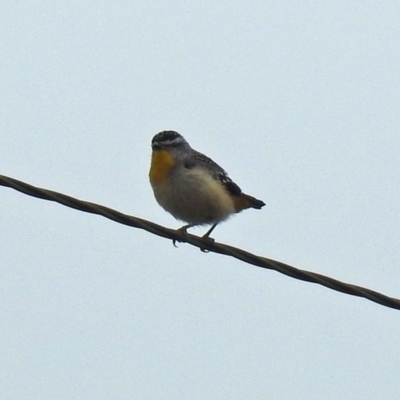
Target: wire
[203,244]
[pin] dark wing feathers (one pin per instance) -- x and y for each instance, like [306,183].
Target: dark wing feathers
[218,173]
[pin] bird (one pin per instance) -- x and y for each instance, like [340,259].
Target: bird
[191,186]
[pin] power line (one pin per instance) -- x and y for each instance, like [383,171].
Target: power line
[203,244]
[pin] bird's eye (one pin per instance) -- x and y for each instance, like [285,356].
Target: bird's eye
[188,164]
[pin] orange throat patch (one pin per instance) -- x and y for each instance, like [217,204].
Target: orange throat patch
[161,164]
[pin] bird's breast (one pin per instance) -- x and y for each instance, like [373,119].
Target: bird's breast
[161,164]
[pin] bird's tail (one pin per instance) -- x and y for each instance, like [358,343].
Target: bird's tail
[244,201]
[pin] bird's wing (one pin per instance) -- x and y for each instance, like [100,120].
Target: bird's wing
[217,172]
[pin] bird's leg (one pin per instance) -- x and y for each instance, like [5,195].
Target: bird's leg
[183,231]
[207,235]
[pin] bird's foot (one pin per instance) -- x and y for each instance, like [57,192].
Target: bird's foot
[181,231]
[208,240]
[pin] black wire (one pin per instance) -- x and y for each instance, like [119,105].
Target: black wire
[204,244]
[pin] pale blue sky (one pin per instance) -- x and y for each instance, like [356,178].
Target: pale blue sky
[298,101]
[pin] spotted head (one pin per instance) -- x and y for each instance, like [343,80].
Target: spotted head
[168,140]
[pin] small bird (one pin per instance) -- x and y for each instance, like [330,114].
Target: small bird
[191,186]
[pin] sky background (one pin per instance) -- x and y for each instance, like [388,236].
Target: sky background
[298,101]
